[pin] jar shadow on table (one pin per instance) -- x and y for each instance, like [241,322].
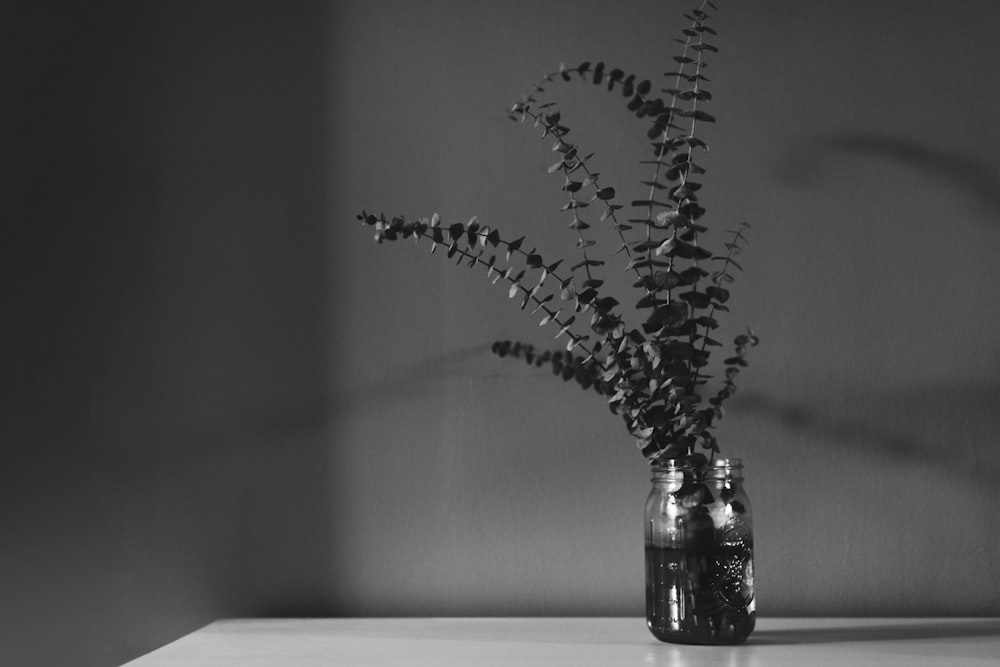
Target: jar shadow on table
[952,629]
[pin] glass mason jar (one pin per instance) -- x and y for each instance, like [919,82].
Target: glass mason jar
[699,554]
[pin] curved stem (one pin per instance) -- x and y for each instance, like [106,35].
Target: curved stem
[594,179]
[732,250]
[530,294]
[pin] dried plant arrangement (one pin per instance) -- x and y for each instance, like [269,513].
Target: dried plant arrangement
[656,376]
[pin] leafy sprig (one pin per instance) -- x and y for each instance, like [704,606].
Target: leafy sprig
[654,376]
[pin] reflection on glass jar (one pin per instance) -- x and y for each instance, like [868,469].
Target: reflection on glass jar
[699,554]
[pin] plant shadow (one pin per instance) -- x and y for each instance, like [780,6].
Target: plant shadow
[977,178]
[872,632]
[866,439]
[972,177]
[421,378]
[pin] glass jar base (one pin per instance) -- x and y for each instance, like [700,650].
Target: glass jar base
[707,631]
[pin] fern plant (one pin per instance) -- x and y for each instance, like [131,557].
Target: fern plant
[655,376]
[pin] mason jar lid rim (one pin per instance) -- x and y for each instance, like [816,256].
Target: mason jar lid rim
[682,464]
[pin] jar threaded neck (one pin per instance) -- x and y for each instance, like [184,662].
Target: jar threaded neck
[717,469]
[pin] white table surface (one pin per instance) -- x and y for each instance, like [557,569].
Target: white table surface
[854,642]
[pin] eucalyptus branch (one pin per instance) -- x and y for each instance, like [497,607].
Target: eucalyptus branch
[742,343]
[569,162]
[452,237]
[550,124]
[599,74]
[586,371]
[666,123]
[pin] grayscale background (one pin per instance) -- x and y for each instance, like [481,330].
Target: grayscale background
[220,398]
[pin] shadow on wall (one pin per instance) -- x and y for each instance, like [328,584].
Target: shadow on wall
[971,177]
[422,379]
[906,417]
[909,428]
[920,430]
[908,421]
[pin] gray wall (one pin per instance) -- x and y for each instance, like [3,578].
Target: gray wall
[223,399]
[166,337]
